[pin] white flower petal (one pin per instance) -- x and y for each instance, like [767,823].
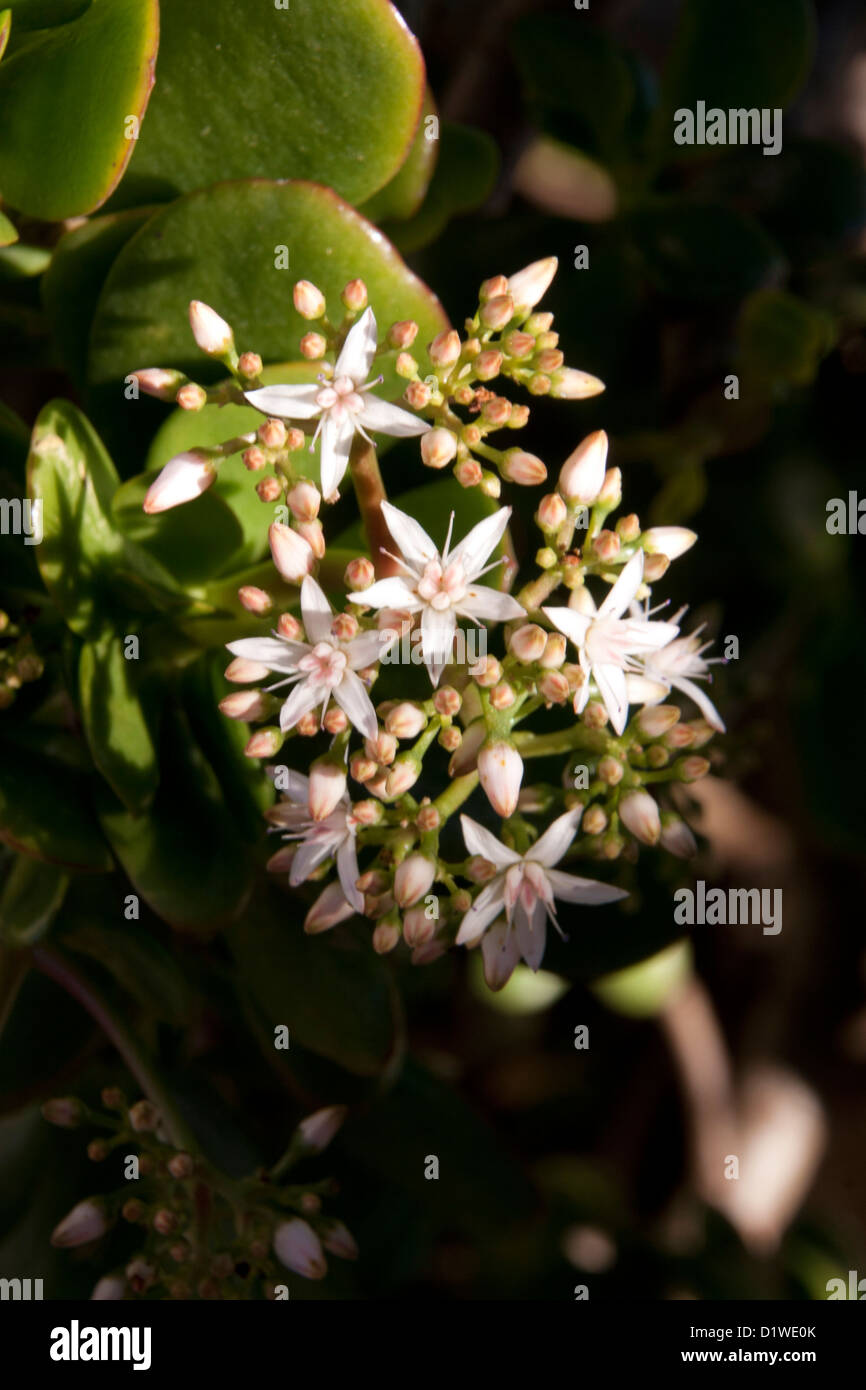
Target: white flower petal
[277,655]
[305,696]
[492,604]
[702,700]
[335,445]
[531,935]
[623,591]
[501,953]
[479,543]
[389,593]
[359,349]
[412,540]
[571,624]
[648,637]
[612,688]
[286,402]
[551,846]
[480,841]
[351,695]
[572,889]
[437,639]
[366,649]
[486,906]
[347,868]
[643,691]
[381,417]
[316,612]
[309,855]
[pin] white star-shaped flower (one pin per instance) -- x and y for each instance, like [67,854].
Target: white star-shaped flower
[332,838]
[678,665]
[442,587]
[319,668]
[343,403]
[608,643]
[525,886]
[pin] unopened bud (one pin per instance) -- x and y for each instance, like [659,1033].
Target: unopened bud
[254,600]
[418,928]
[272,434]
[317,1130]
[554,654]
[309,301]
[691,769]
[254,459]
[66,1112]
[183,478]
[676,837]
[530,285]
[438,448]
[528,642]
[247,705]
[249,365]
[607,545]
[359,573]
[292,555]
[87,1221]
[519,467]
[402,334]
[551,512]
[158,382]
[327,787]
[671,541]
[655,720]
[500,769]
[297,1246]
[654,567]
[582,475]
[497,312]
[639,813]
[313,346]
[405,720]
[329,908]
[568,384]
[212,334]
[192,397]
[413,879]
[444,350]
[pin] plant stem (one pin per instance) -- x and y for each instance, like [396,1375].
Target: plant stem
[456,794]
[370,492]
[59,968]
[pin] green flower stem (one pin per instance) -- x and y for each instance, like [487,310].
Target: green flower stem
[454,796]
[561,741]
[59,968]
[533,594]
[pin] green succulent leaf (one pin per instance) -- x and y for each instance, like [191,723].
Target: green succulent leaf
[31,897]
[464,177]
[114,719]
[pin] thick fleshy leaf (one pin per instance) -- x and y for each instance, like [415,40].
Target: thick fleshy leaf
[404,194]
[464,178]
[114,720]
[782,338]
[45,812]
[329,90]
[332,992]
[185,855]
[30,899]
[703,250]
[223,245]
[8,232]
[67,136]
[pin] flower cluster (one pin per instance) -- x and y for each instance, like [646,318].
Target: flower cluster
[203,1235]
[600,657]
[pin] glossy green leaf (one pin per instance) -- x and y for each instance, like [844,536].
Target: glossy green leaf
[245,785]
[782,339]
[184,855]
[332,992]
[736,55]
[66,134]
[23,262]
[114,720]
[404,194]
[464,178]
[30,899]
[74,279]
[8,232]
[703,251]
[642,990]
[45,812]
[329,90]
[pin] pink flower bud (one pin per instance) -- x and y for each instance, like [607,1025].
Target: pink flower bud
[402,777]
[327,787]
[670,541]
[329,908]
[297,1246]
[447,701]
[254,459]
[551,512]
[418,928]
[553,687]
[528,642]
[249,364]
[497,312]
[158,382]
[676,837]
[692,769]
[639,813]
[554,652]
[254,600]
[339,1241]
[611,491]
[313,533]
[496,285]
[359,573]
[488,364]
[183,478]
[305,500]
[111,1287]
[354,296]
[438,448]
[191,397]
[468,473]
[246,704]
[405,720]
[264,743]
[413,879]
[212,334]
[530,285]
[403,334]
[525,469]
[292,555]
[313,346]
[500,768]
[582,475]
[318,1129]
[66,1111]
[385,938]
[86,1221]
[309,301]
[606,545]
[655,720]
[445,348]
[568,384]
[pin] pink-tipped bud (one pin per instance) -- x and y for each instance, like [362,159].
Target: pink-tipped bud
[111,1287]
[500,768]
[254,459]
[554,652]
[288,626]
[670,541]
[265,743]
[606,545]
[305,500]
[66,1112]
[269,489]
[568,384]
[385,938]
[525,469]
[183,478]
[254,600]
[468,473]
[383,748]
[327,787]
[438,448]
[418,928]
[528,642]
[611,491]
[292,555]
[639,813]
[273,434]
[192,397]
[490,289]
[692,769]
[313,533]
[158,382]
[676,837]
[354,296]
[313,346]
[406,366]
[530,285]
[582,475]
[402,334]
[86,1221]
[655,720]
[428,817]
[297,1246]
[249,365]
[317,1130]
[212,334]
[553,688]
[339,1241]
[488,364]
[405,720]
[309,301]
[402,777]
[445,348]
[552,512]
[497,312]
[247,705]
[418,394]
[359,573]
[447,701]
[413,879]
[329,908]
[654,567]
